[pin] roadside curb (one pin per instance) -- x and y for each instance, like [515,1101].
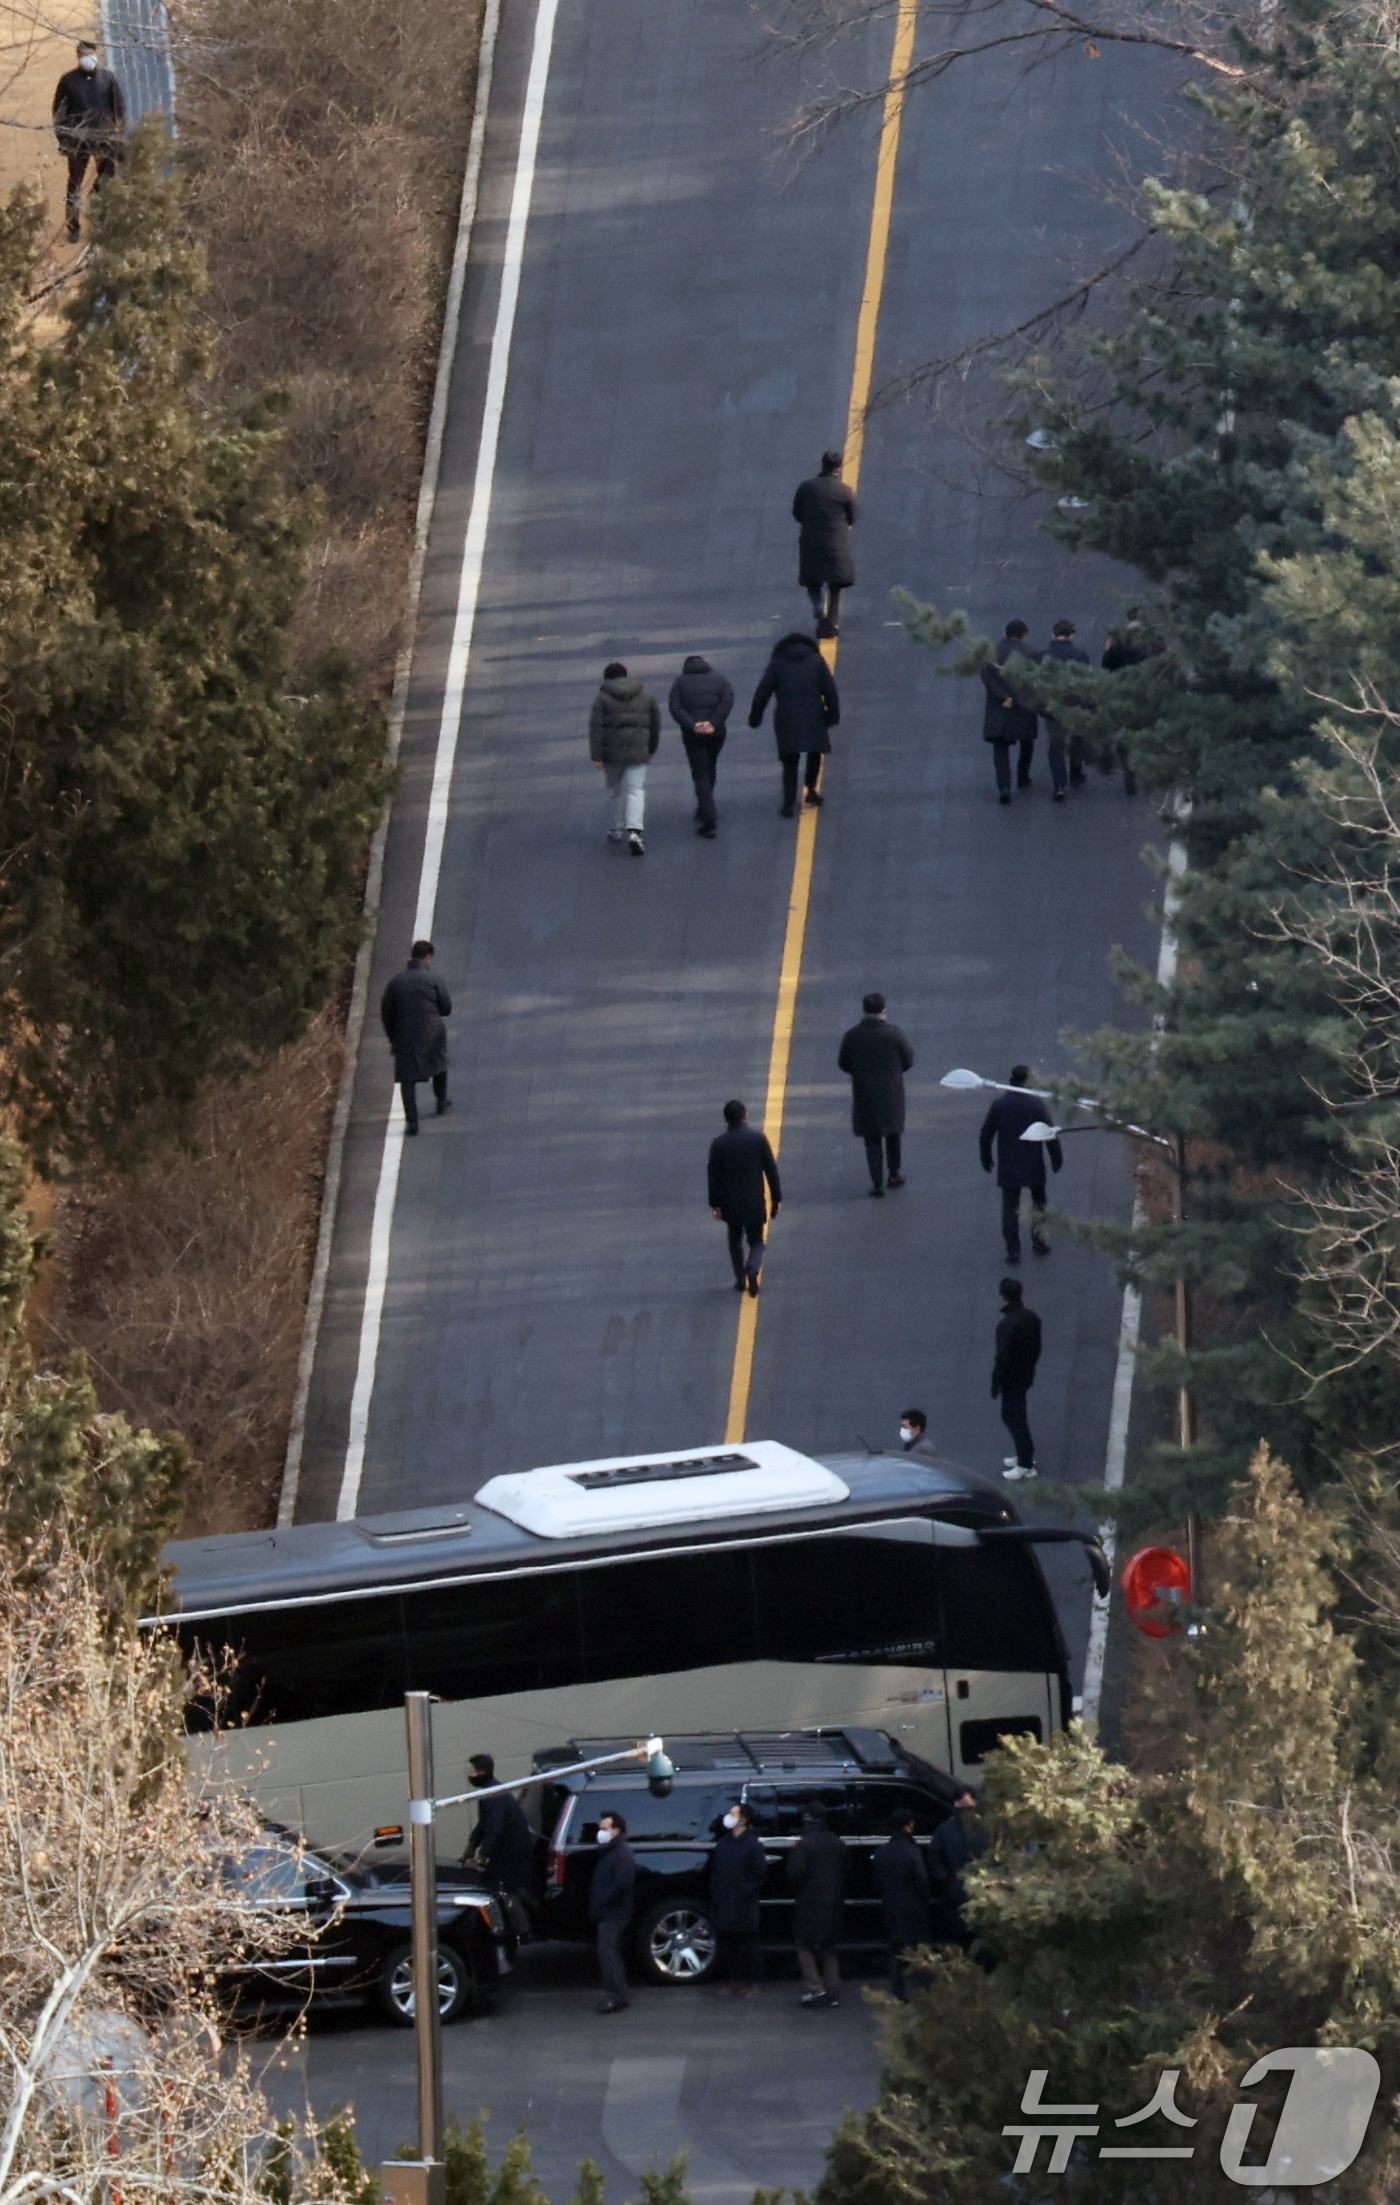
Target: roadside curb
[374,879]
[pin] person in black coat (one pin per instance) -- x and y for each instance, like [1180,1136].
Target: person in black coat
[954,1846]
[503,1838]
[877,1056]
[742,1170]
[901,1878]
[700,704]
[1009,716]
[610,1908]
[1062,650]
[413,1008]
[1013,1375]
[806,709]
[825,511]
[1020,1164]
[816,1877]
[738,1866]
[89,114]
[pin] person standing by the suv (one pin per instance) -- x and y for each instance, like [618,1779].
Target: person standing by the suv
[816,1876]
[738,1866]
[901,1878]
[610,1909]
[505,1841]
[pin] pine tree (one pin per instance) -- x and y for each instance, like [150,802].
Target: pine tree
[180,830]
[1232,1893]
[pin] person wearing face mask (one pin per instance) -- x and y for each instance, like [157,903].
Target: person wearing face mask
[955,1845]
[505,1841]
[913,1436]
[738,1866]
[610,1909]
[89,114]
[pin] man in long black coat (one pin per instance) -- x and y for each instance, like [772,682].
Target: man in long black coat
[413,1008]
[1013,1375]
[743,1180]
[610,1908]
[503,1838]
[816,1877]
[1009,716]
[877,1056]
[1020,1164]
[954,1846]
[901,1878]
[738,1868]
[825,511]
[89,114]
[805,710]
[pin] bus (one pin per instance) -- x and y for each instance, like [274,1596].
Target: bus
[733,1589]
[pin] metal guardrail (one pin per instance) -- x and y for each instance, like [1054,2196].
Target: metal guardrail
[136,39]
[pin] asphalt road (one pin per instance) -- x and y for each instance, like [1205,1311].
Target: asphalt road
[750,2091]
[557,1289]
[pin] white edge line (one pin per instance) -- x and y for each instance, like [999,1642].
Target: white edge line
[1115,1458]
[468,591]
[374,878]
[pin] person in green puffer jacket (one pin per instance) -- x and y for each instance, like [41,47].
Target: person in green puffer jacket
[624,729]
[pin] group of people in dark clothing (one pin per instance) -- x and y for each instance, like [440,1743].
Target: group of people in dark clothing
[624,726]
[1011,717]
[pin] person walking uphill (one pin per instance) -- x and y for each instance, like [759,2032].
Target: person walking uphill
[89,115]
[610,1909]
[816,1877]
[624,729]
[1013,1375]
[877,1056]
[1008,716]
[1062,650]
[738,1866]
[1020,1164]
[825,511]
[742,1167]
[413,1008]
[806,708]
[700,704]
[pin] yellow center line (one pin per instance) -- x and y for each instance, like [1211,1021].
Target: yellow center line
[800,895]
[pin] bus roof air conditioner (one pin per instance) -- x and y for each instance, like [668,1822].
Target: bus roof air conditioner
[637,1492]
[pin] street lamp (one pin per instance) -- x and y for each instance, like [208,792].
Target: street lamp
[422,2181]
[962,1081]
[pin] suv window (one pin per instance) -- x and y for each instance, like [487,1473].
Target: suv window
[683,1817]
[879,1801]
[273,1875]
[777,1810]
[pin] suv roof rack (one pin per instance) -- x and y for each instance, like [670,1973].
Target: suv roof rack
[754,1752]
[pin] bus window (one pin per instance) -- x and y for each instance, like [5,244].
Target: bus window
[293,1663]
[848,1600]
[996,1610]
[466,1642]
[676,1611]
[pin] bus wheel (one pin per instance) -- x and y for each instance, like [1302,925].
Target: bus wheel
[394,1989]
[676,1942]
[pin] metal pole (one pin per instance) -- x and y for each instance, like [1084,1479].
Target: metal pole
[422,1860]
[1185,1405]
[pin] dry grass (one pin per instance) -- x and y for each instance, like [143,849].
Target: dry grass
[184,1283]
[324,142]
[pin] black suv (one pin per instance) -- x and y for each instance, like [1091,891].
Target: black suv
[360,1925]
[859,1776]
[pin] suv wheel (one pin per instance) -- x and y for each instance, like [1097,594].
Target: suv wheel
[676,1942]
[394,1989]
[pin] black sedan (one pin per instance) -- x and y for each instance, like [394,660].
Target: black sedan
[359,1932]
